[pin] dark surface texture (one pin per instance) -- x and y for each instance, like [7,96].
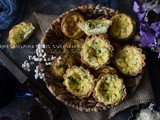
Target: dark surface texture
[20,106]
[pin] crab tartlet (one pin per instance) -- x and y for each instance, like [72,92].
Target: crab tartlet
[60,64]
[123,27]
[79,82]
[129,60]
[96,51]
[109,89]
[69,25]
[92,27]
[73,47]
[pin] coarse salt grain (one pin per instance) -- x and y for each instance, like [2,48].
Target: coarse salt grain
[30,57]
[26,66]
[52,57]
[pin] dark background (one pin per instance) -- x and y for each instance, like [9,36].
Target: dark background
[18,56]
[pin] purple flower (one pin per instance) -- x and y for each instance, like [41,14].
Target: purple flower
[155,26]
[149,17]
[147,36]
[136,7]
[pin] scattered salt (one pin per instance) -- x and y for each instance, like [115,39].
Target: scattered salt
[38,73]
[26,66]
[41,55]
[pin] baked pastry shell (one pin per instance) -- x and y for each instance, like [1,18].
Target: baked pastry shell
[78,35]
[106,41]
[124,94]
[91,76]
[56,62]
[106,70]
[142,56]
[132,33]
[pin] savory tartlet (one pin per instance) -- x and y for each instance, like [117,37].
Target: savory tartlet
[69,25]
[79,82]
[105,70]
[93,27]
[123,27]
[60,64]
[109,89]
[20,33]
[73,47]
[129,60]
[96,51]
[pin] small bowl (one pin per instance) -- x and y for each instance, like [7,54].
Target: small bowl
[137,110]
[39,113]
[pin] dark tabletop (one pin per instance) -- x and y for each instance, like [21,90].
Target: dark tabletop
[57,7]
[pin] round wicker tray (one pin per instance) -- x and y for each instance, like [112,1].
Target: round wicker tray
[54,36]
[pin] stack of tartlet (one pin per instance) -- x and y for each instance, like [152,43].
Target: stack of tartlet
[91,64]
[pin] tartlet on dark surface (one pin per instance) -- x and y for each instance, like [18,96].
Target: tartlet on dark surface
[109,89]
[79,82]
[69,25]
[61,63]
[96,51]
[129,60]
[20,33]
[123,27]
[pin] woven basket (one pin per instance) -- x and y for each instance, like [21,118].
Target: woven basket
[54,36]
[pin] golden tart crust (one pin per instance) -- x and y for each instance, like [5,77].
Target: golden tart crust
[129,60]
[74,47]
[109,89]
[79,82]
[60,64]
[123,27]
[96,51]
[69,25]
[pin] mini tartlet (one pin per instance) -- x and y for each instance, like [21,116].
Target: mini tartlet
[20,33]
[60,64]
[95,27]
[69,25]
[123,27]
[105,70]
[79,82]
[96,51]
[73,47]
[109,89]
[129,60]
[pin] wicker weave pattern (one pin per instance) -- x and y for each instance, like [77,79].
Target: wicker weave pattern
[54,36]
